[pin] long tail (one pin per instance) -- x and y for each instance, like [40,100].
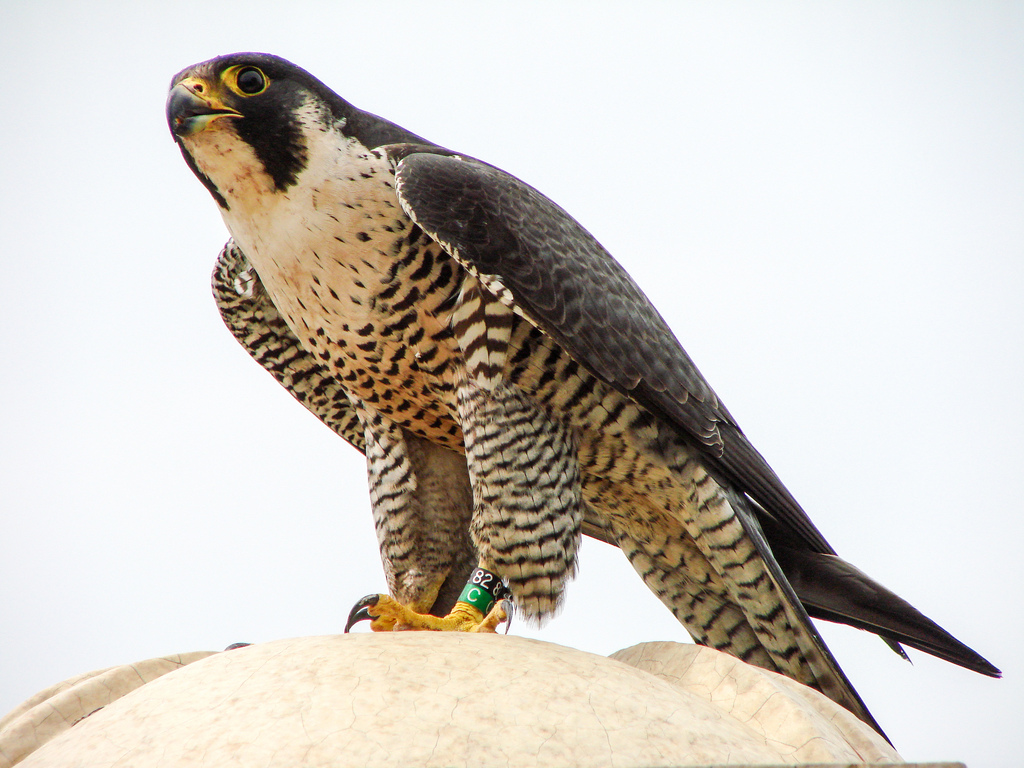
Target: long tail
[832,589]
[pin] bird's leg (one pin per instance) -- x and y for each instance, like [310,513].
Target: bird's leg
[522,461]
[422,502]
[481,607]
[527,506]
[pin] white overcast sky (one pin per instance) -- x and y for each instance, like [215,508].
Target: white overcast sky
[825,200]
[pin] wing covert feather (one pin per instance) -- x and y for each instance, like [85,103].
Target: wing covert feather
[565,282]
[560,277]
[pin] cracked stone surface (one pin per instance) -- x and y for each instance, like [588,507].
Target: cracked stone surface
[434,699]
[802,724]
[60,707]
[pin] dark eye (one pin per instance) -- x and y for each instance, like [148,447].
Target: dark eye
[251,81]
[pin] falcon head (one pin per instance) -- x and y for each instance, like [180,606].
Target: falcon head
[250,124]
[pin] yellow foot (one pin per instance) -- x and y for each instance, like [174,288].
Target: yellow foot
[388,615]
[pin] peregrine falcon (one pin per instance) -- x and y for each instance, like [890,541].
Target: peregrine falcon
[510,385]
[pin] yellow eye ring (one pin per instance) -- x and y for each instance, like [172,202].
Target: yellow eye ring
[246,80]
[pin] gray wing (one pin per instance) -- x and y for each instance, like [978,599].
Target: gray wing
[556,274]
[567,284]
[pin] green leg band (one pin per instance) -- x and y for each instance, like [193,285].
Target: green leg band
[482,590]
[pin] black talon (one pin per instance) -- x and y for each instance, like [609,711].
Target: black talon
[360,611]
[234,646]
[510,608]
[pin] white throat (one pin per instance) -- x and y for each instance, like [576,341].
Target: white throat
[322,246]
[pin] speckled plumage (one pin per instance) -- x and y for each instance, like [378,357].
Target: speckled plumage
[510,385]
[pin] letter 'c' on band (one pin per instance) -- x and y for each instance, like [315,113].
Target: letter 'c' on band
[482,590]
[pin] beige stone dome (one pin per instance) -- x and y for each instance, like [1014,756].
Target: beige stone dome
[433,699]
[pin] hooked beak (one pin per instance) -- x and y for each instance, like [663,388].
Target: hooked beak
[189,112]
